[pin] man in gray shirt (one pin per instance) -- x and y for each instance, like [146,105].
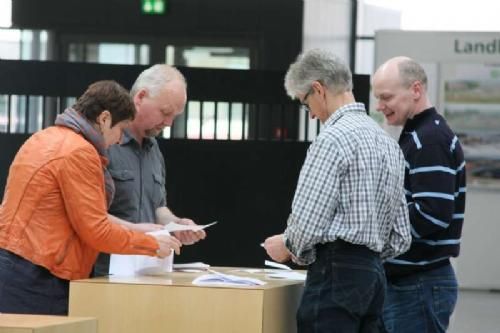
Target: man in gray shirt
[137,165]
[349,210]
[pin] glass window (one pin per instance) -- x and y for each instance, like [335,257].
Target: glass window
[211,119]
[10,48]
[109,53]
[208,56]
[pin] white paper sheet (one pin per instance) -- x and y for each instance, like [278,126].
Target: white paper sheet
[220,279]
[288,275]
[191,267]
[276,265]
[130,265]
[172,226]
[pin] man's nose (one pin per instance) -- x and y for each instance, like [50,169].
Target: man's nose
[380,106]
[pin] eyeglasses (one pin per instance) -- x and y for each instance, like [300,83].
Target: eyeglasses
[304,106]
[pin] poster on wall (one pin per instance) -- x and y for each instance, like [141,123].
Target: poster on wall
[471,105]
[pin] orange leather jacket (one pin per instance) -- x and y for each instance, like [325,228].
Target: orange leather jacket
[54,207]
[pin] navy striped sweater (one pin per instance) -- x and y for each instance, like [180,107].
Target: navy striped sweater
[435,190]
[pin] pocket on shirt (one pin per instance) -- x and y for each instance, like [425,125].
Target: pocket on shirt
[126,197]
[121,175]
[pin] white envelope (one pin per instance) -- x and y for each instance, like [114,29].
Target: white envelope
[130,265]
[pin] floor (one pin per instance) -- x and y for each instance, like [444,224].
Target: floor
[476,312]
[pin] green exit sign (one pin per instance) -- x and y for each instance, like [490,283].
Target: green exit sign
[154,7]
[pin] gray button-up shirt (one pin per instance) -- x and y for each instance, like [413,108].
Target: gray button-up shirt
[139,176]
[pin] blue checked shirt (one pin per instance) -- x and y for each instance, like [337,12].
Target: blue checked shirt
[351,188]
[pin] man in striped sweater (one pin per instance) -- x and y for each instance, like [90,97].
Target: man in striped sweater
[422,287]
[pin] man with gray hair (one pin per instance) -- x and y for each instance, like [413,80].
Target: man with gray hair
[422,287]
[137,164]
[349,211]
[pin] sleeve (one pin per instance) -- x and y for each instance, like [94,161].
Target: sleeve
[315,200]
[430,189]
[81,181]
[400,236]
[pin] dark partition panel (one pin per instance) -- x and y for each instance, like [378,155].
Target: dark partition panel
[272,29]
[35,87]
[9,145]
[246,186]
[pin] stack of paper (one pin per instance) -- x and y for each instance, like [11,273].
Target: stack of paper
[220,279]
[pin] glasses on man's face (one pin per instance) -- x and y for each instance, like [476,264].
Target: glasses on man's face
[303,104]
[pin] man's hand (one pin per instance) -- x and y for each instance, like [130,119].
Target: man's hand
[276,249]
[166,245]
[188,237]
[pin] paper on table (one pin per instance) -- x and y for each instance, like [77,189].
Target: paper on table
[220,279]
[172,226]
[288,275]
[276,265]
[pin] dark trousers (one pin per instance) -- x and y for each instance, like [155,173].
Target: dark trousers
[421,302]
[31,289]
[344,291]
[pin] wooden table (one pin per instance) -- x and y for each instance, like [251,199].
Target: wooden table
[21,323]
[171,303]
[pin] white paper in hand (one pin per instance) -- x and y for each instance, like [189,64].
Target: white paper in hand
[172,226]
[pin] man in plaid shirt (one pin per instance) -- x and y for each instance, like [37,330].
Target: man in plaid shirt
[349,211]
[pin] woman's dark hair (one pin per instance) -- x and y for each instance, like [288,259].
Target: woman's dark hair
[106,95]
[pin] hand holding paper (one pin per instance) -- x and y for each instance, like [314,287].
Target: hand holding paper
[186,236]
[172,226]
[276,249]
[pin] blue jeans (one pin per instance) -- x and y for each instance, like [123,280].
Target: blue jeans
[28,288]
[421,303]
[344,291]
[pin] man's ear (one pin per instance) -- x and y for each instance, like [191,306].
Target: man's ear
[139,96]
[417,90]
[317,86]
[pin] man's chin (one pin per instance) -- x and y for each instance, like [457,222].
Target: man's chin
[390,120]
[153,133]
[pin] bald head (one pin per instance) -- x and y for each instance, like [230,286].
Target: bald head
[400,85]
[403,69]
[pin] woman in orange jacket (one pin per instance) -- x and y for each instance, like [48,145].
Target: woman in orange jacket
[53,218]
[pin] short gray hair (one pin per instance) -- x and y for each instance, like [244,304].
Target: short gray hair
[154,78]
[411,71]
[317,65]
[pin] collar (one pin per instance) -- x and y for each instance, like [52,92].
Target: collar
[347,108]
[129,139]
[417,120]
